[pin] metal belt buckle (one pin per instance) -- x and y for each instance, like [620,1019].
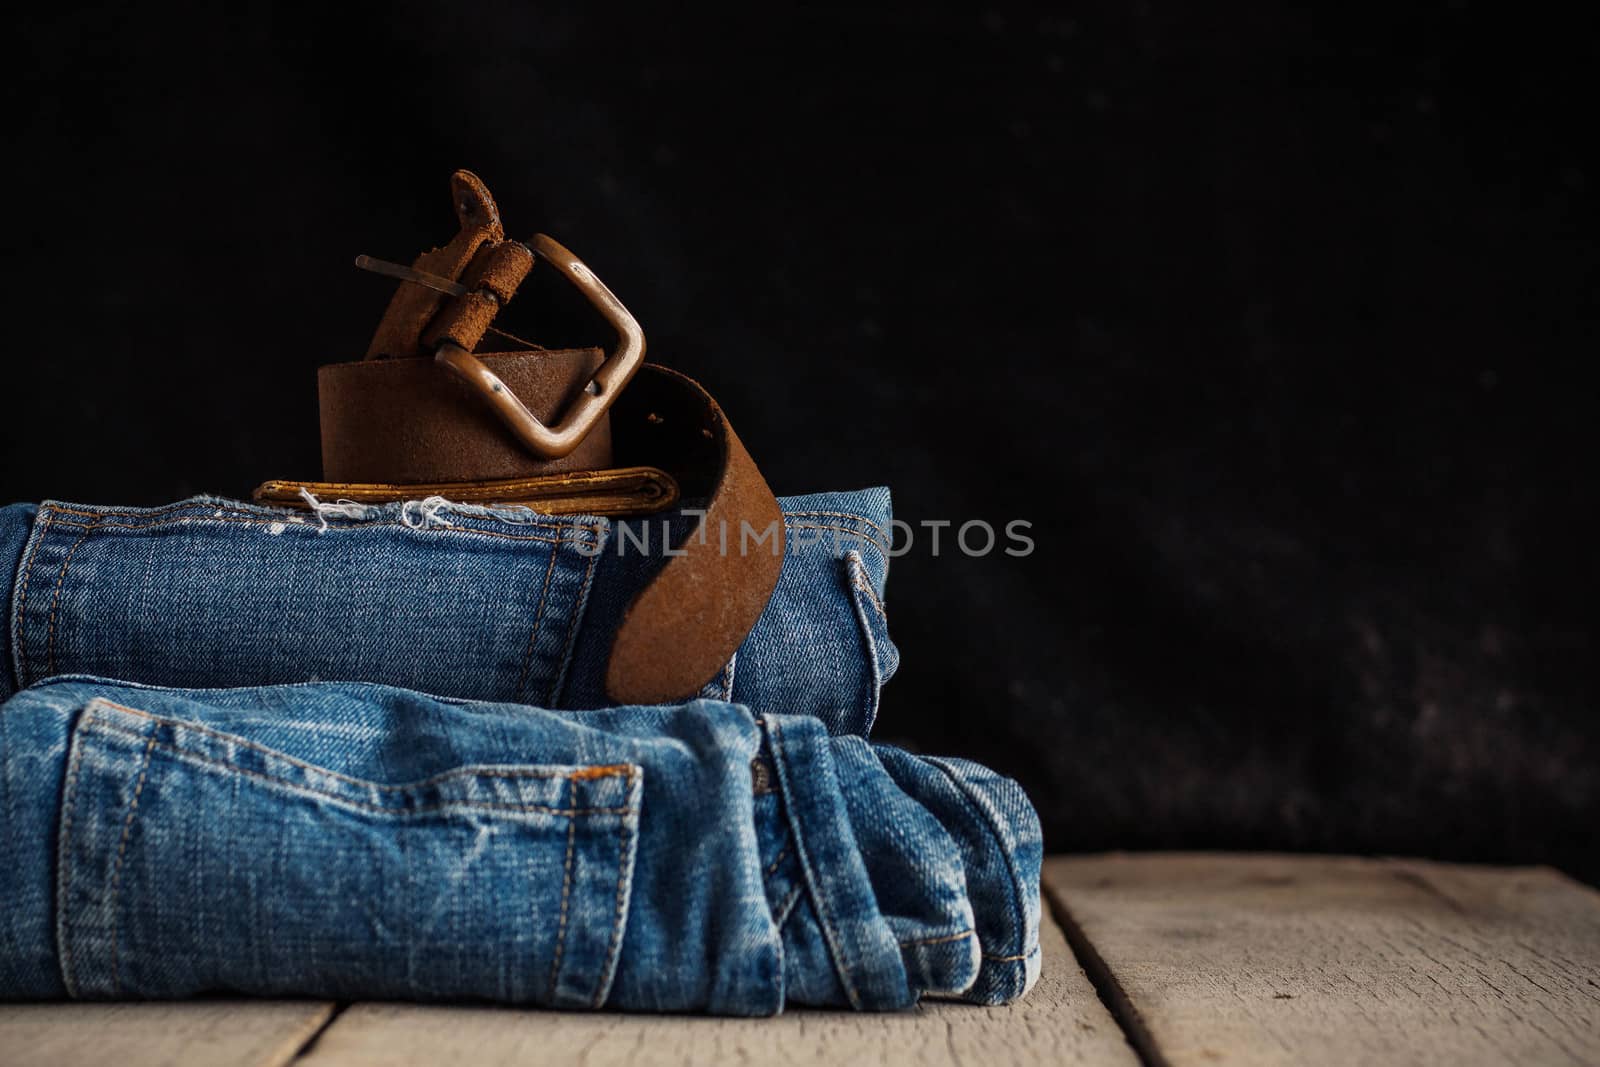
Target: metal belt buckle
[551,442]
[556,441]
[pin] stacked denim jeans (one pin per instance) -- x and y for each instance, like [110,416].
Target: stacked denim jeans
[368,754]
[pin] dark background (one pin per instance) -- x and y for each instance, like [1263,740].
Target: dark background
[1278,326]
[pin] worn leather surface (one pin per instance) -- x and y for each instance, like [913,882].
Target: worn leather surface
[413,307]
[688,621]
[396,425]
[401,422]
[408,420]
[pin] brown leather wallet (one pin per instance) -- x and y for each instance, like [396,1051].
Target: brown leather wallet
[562,431]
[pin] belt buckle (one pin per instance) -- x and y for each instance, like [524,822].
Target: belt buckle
[553,442]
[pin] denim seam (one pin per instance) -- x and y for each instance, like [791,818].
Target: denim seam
[1019,912]
[1013,959]
[19,645]
[773,866]
[69,977]
[607,971]
[857,534]
[818,900]
[538,620]
[838,515]
[780,918]
[620,770]
[55,601]
[857,579]
[116,870]
[853,565]
[579,610]
[300,788]
[938,940]
[365,524]
[566,892]
[236,510]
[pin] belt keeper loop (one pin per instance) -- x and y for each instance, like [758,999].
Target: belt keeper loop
[505,265]
[494,276]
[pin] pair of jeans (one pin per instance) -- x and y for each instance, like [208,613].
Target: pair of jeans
[253,808]
[460,601]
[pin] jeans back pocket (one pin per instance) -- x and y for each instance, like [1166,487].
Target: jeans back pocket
[192,860]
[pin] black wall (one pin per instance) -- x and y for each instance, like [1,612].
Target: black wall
[1278,326]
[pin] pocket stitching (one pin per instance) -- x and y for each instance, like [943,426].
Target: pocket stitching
[93,722]
[69,976]
[566,892]
[619,770]
[607,970]
[116,870]
[335,798]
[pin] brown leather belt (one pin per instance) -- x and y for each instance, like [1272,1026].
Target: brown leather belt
[562,431]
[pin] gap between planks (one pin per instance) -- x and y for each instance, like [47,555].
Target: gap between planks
[1270,959]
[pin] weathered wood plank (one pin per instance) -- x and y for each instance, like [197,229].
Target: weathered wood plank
[247,1033]
[1306,960]
[1060,1022]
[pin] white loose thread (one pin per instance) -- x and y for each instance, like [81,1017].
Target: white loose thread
[427,513]
[339,509]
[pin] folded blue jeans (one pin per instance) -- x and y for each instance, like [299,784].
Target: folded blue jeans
[367,753]
[354,840]
[456,600]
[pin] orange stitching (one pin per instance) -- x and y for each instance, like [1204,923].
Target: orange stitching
[609,770]
[614,770]
[1008,959]
[448,805]
[773,866]
[22,596]
[55,602]
[116,871]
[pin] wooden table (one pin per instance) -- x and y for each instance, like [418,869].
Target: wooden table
[1159,959]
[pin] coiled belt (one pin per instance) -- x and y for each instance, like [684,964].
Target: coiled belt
[562,431]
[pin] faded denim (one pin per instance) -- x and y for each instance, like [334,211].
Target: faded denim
[351,840]
[488,604]
[367,754]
